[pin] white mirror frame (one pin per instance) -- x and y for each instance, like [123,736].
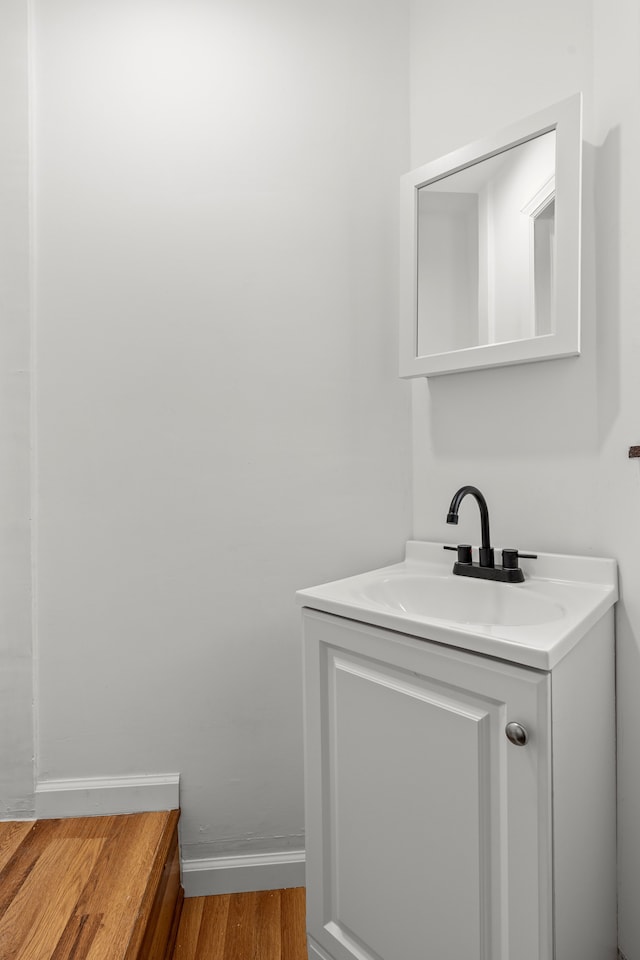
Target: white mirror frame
[566,119]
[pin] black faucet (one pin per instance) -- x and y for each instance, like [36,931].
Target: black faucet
[486,550]
[486,569]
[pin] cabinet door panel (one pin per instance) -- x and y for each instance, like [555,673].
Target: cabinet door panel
[414,795]
[407,770]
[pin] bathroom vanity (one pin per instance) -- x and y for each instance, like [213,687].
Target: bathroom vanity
[460,762]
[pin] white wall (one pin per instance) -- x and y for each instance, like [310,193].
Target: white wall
[219,418]
[617,191]
[16,731]
[447,271]
[547,442]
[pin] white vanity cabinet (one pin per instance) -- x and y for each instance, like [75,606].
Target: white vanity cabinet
[432,836]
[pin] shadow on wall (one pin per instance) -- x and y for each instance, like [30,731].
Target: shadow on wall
[560,408]
[605,165]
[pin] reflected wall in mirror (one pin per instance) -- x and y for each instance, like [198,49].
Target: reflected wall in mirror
[491,250]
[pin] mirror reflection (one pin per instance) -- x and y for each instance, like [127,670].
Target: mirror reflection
[486,251]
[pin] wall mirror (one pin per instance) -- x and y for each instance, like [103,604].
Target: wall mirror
[490,252]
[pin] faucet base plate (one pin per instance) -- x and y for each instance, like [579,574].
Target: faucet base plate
[488,573]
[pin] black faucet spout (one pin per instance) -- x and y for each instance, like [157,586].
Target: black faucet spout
[486,550]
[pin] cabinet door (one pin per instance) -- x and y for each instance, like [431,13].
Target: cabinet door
[428,832]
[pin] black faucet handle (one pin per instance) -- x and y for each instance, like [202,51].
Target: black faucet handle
[510,558]
[464,552]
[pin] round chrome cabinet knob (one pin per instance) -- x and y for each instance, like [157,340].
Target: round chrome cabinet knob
[517,734]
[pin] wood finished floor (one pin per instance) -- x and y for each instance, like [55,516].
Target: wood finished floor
[81,889]
[269,925]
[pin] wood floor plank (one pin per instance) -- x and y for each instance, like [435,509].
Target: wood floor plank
[268,925]
[189,930]
[105,882]
[34,922]
[73,828]
[12,833]
[212,937]
[77,937]
[128,850]
[175,923]
[18,860]
[160,920]
[241,927]
[84,828]
[20,864]
[119,883]
[294,923]
[158,870]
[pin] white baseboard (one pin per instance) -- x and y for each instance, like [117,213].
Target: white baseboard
[266,871]
[98,797]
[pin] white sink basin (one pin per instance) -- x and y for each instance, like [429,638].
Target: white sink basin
[534,623]
[461,600]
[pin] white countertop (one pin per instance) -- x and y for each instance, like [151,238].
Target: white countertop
[577,591]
